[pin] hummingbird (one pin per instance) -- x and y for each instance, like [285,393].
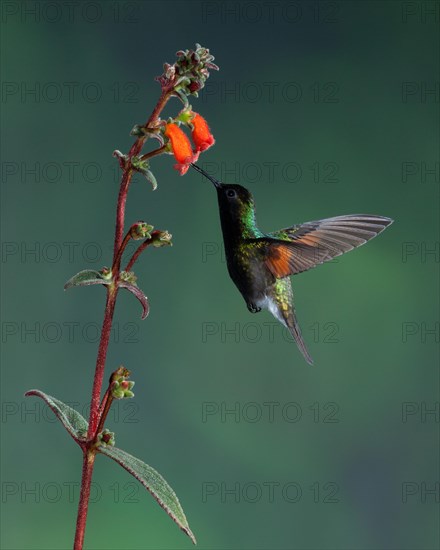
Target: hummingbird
[260,264]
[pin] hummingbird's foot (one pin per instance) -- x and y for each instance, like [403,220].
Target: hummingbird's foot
[253,308]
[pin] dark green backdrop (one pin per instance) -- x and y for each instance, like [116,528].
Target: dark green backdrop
[321,108]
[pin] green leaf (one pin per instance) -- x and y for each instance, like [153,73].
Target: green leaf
[122,159]
[155,134]
[150,177]
[134,289]
[143,167]
[75,423]
[154,483]
[85,278]
[182,96]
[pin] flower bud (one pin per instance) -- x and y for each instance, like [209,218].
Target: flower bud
[141,230]
[106,273]
[162,238]
[185,116]
[106,438]
[189,73]
[121,388]
[128,277]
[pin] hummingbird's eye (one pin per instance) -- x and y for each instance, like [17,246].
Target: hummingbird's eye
[231,193]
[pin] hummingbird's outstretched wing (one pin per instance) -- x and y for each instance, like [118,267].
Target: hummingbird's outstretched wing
[301,247]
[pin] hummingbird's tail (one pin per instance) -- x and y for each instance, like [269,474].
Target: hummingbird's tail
[280,304]
[295,331]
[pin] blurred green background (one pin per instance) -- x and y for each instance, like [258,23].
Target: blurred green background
[320,109]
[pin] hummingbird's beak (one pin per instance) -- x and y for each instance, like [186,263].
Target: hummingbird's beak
[211,179]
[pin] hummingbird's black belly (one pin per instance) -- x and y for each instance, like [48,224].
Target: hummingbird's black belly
[249,273]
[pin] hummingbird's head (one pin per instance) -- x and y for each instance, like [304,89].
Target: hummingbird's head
[232,197]
[237,208]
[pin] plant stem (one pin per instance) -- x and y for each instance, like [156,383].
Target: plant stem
[100,361]
[122,199]
[112,291]
[128,172]
[83,506]
[138,252]
[89,453]
[103,403]
[154,153]
[117,261]
[105,409]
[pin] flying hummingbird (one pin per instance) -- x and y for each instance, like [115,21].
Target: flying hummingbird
[260,263]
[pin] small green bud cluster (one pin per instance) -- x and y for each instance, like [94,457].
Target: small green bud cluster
[141,230]
[128,277]
[106,273]
[121,388]
[106,438]
[189,73]
[162,238]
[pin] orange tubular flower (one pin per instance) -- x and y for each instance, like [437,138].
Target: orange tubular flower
[201,134]
[181,145]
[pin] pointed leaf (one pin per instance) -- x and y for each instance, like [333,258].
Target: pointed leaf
[85,278]
[134,289]
[154,483]
[137,130]
[182,96]
[155,134]
[143,167]
[122,159]
[150,177]
[72,420]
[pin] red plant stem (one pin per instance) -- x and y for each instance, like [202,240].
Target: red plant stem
[117,261]
[89,453]
[122,199]
[154,153]
[103,402]
[128,172]
[111,296]
[112,291]
[104,413]
[100,361]
[86,481]
[137,253]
